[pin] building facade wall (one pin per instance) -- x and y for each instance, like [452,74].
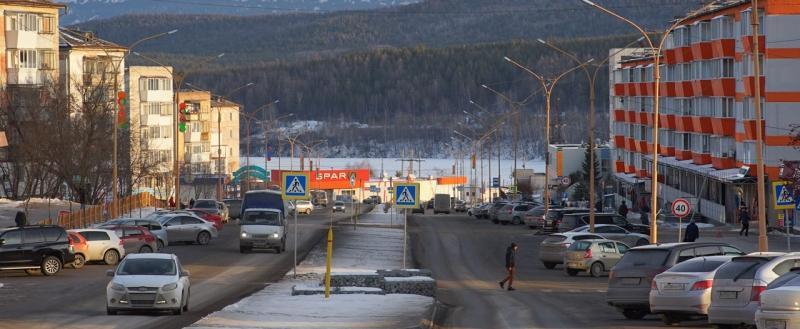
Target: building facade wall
[20,35]
[151,108]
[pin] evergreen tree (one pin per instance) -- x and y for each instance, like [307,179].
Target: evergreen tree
[584,177]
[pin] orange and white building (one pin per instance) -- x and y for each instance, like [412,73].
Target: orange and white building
[707,119]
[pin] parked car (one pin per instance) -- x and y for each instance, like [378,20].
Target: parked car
[338,206]
[533,217]
[35,248]
[103,245]
[553,217]
[151,225]
[234,208]
[223,211]
[735,297]
[594,256]
[135,239]
[208,216]
[552,248]
[148,281]
[683,292]
[513,213]
[460,206]
[574,220]
[188,228]
[302,206]
[418,210]
[629,281]
[429,204]
[473,211]
[614,232]
[209,205]
[79,248]
[494,209]
[779,303]
[262,229]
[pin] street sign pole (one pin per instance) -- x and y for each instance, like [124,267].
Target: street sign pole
[406,196]
[294,267]
[405,236]
[680,208]
[294,186]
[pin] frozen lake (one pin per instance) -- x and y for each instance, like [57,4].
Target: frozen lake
[428,167]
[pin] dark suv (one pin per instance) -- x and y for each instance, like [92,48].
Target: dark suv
[629,281]
[575,220]
[40,247]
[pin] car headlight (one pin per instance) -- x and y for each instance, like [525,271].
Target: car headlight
[117,287]
[169,287]
[244,234]
[275,235]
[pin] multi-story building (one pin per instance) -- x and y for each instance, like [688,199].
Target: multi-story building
[225,136]
[151,124]
[707,120]
[194,144]
[29,50]
[91,68]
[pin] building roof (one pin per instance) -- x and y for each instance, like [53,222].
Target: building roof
[224,103]
[719,5]
[35,3]
[69,38]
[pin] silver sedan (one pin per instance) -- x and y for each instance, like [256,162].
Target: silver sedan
[188,228]
[616,233]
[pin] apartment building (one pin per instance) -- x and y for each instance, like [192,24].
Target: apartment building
[225,136]
[30,45]
[707,120]
[90,66]
[194,145]
[151,106]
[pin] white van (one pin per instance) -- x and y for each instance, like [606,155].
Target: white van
[262,228]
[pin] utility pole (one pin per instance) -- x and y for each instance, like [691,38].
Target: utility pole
[762,204]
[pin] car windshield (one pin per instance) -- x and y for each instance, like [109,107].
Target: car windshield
[147,266]
[643,257]
[261,218]
[697,265]
[205,204]
[339,203]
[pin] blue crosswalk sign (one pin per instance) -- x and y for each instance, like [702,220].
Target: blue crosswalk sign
[406,195]
[295,186]
[782,195]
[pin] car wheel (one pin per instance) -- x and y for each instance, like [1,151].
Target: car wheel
[109,311]
[203,238]
[244,250]
[160,244]
[596,270]
[634,313]
[572,272]
[186,305]
[641,242]
[494,221]
[670,319]
[51,265]
[111,257]
[145,250]
[79,261]
[516,221]
[549,265]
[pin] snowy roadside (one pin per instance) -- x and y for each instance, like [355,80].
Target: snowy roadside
[363,250]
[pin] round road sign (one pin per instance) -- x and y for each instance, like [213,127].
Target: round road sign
[681,208]
[565,181]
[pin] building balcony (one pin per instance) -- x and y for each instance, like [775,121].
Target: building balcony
[642,173]
[630,116]
[645,118]
[678,55]
[701,158]
[666,121]
[747,43]
[630,144]
[683,123]
[160,96]
[619,166]
[26,76]
[702,50]
[723,87]
[702,125]
[619,115]
[723,126]
[749,85]
[200,157]
[619,141]
[683,154]
[667,151]
[164,144]
[719,162]
[156,120]
[629,169]
[31,40]
[750,129]
[723,48]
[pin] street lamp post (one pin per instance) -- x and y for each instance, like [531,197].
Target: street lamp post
[220,163]
[547,85]
[656,93]
[591,78]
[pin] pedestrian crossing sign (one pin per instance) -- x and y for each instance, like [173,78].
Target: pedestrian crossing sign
[406,195]
[783,196]
[295,186]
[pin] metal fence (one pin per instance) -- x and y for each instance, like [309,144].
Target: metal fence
[93,214]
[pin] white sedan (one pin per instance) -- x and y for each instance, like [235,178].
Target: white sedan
[148,282]
[779,303]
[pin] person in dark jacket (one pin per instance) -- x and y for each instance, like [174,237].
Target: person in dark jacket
[21,219]
[598,206]
[645,213]
[511,253]
[171,203]
[191,203]
[744,217]
[692,232]
[623,209]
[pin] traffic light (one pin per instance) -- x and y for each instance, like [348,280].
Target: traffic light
[122,102]
[182,115]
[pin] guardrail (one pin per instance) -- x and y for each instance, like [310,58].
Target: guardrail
[93,214]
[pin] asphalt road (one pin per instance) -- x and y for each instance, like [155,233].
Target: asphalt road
[220,276]
[467,257]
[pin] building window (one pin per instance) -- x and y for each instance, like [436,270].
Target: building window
[748,109]
[48,25]
[48,60]
[23,22]
[157,84]
[23,59]
[723,147]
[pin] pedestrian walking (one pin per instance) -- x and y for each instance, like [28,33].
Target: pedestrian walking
[20,219]
[598,206]
[744,217]
[692,232]
[171,202]
[645,215]
[623,209]
[511,253]
[191,203]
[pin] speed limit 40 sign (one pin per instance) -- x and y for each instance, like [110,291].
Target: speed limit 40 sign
[681,208]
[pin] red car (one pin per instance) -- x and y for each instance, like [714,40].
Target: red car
[210,217]
[135,239]
[79,247]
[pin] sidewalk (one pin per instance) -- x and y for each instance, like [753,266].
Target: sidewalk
[363,250]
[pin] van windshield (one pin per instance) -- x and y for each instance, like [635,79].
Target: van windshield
[263,199]
[261,218]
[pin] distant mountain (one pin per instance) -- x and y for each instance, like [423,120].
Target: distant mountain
[88,10]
